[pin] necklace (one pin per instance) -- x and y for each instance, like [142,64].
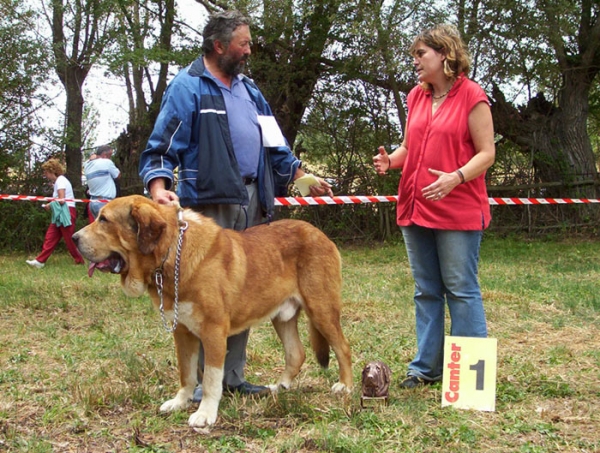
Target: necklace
[442,95]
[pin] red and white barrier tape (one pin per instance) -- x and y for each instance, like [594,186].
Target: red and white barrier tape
[522,201]
[36,198]
[311,201]
[314,201]
[358,199]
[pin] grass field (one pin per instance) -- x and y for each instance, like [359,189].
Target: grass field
[84,369]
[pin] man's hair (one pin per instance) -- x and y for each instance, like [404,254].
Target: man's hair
[53,166]
[220,27]
[101,150]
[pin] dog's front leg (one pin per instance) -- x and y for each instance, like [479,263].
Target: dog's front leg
[214,341]
[187,346]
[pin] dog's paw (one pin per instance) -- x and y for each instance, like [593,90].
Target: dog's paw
[338,388]
[201,419]
[282,385]
[274,388]
[175,404]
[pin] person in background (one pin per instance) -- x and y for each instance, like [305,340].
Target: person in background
[63,215]
[216,127]
[443,205]
[101,175]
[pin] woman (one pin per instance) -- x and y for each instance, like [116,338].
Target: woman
[443,204]
[54,171]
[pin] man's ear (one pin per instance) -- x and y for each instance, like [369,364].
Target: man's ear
[150,226]
[220,47]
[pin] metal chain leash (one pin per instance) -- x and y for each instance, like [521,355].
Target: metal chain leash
[158,279]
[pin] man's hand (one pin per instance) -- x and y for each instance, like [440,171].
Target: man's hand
[316,190]
[323,188]
[161,195]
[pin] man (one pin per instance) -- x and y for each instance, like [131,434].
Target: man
[100,173]
[217,128]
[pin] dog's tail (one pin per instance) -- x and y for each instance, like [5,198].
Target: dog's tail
[319,345]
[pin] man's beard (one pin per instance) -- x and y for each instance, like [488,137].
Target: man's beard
[231,66]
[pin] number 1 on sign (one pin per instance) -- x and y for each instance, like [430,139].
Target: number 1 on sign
[469,378]
[480,368]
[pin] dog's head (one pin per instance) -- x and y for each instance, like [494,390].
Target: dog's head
[376,377]
[130,237]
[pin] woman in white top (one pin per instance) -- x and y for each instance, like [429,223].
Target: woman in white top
[54,171]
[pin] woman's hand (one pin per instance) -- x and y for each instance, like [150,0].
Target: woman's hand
[439,189]
[381,161]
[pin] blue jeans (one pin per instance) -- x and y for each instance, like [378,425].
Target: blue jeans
[95,207]
[444,266]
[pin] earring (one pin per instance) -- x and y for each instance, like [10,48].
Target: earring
[447,69]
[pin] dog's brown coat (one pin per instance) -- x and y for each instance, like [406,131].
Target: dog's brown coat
[229,281]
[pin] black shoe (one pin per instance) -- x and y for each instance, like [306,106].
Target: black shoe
[197,397]
[245,388]
[412,382]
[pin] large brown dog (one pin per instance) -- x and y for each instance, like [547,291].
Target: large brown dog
[228,281]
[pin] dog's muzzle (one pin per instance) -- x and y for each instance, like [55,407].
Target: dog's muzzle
[113,264]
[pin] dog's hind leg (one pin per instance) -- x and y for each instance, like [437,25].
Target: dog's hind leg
[294,351]
[187,347]
[328,329]
[319,344]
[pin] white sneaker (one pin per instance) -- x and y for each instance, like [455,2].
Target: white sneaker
[35,263]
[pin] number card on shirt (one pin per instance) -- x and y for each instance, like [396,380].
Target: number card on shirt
[469,378]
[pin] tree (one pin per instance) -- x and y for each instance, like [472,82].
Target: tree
[81,29]
[143,56]
[553,59]
[344,123]
[23,61]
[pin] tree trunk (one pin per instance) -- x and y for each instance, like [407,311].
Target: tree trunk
[73,60]
[142,115]
[555,133]
[554,137]
[74,123]
[129,145]
[287,72]
[571,126]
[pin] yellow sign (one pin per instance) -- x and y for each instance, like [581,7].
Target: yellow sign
[469,380]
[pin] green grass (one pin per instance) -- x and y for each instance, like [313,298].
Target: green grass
[84,368]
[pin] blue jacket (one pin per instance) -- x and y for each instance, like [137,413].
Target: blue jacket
[192,133]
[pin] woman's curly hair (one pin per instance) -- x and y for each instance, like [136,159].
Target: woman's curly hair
[54,166]
[445,39]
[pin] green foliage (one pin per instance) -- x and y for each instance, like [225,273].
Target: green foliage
[338,141]
[24,226]
[24,63]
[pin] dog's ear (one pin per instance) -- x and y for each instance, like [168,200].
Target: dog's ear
[150,224]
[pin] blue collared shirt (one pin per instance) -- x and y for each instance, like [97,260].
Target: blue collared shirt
[242,117]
